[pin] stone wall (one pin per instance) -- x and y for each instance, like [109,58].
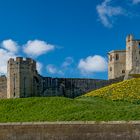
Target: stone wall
[72,87]
[3,87]
[67,87]
[70,131]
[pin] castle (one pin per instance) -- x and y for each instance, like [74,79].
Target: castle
[23,79]
[125,62]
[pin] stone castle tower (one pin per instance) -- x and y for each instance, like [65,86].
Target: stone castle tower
[22,78]
[125,62]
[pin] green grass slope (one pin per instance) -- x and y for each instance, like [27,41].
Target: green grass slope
[128,90]
[64,109]
[119,101]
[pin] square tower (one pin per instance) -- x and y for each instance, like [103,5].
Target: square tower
[132,55]
[20,77]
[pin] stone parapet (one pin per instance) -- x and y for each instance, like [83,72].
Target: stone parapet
[119,130]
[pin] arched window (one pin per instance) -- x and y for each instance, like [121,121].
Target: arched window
[110,57]
[117,56]
[110,68]
[24,82]
[123,71]
[14,81]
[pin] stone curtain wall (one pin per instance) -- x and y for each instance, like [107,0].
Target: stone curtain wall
[67,87]
[70,131]
[72,87]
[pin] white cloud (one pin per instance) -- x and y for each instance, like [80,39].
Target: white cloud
[10,45]
[9,49]
[51,69]
[37,47]
[39,67]
[106,12]
[61,69]
[92,64]
[68,61]
[136,1]
[4,57]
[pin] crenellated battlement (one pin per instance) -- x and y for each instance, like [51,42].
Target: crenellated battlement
[22,63]
[21,60]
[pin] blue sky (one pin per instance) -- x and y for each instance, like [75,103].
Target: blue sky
[67,38]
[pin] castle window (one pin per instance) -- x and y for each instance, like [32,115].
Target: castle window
[117,56]
[123,71]
[24,86]
[110,68]
[110,57]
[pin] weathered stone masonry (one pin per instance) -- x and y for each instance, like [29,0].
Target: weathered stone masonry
[70,131]
[23,80]
[125,62]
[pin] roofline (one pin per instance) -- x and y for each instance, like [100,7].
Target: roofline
[116,51]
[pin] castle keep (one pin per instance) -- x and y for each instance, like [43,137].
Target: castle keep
[125,62]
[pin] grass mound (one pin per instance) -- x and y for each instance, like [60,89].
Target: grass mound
[63,109]
[128,90]
[94,106]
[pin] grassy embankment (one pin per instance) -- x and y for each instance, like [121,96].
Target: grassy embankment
[116,102]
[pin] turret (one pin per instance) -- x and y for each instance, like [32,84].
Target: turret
[129,38]
[132,53]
